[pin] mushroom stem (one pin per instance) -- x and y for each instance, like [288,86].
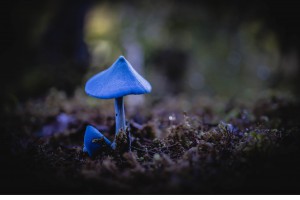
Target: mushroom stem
[120,114]
[120,118]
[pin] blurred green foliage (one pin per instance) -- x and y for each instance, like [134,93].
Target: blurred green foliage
[182,48]
[221,58]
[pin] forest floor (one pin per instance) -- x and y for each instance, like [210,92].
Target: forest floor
[204,146]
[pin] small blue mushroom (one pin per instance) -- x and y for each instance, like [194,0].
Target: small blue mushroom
[93,140]
[117,81]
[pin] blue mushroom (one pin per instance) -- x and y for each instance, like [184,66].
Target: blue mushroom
[93,140]
[116,82]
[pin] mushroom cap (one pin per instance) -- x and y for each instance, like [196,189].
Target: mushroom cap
[117,81]
[92,133]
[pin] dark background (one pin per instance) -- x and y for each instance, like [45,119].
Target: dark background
[48,44]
